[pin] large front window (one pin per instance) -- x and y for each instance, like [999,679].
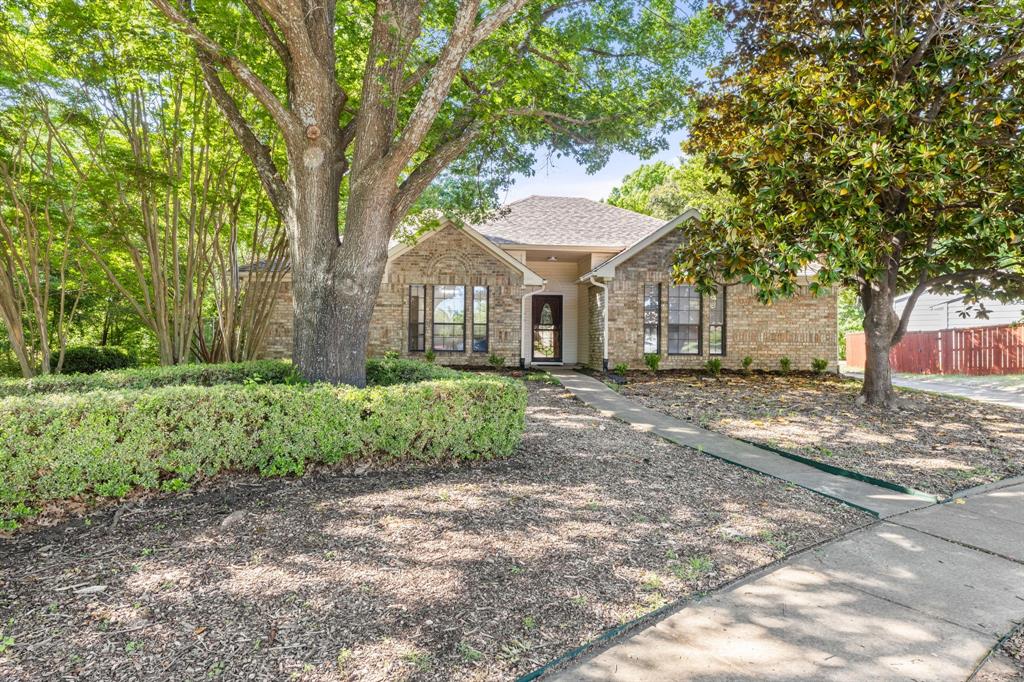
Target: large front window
[449,318]
[652,318]
[480,303]
[683,320]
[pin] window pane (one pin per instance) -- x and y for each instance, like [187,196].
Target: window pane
[716,332]
[683,320]
[449,317]
[417,317]
[652,318]
[480,312]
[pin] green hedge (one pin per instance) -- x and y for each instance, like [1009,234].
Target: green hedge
[89,359]
[107,443]
[259,371]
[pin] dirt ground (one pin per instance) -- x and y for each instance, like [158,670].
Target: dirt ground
[480,573]
[933,443]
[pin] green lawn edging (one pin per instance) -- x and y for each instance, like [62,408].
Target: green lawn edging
[109,443]
[847,473]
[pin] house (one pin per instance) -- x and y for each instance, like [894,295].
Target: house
[562,280]
[948,311]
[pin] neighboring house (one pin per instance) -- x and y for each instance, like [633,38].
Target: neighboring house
[948,311]
[560,280]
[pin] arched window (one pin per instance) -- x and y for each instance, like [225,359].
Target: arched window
[547,318]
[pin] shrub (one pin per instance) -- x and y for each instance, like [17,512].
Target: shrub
[430,355]
[620,368]
[714,367]
[747,362]
[109,443]
[258,371]
[89,359]
[496,361]
[819,365]
[785,365]
[652,360]
[388,372]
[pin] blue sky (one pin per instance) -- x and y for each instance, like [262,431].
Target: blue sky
[564,177]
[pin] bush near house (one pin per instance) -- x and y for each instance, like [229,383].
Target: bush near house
[108,443]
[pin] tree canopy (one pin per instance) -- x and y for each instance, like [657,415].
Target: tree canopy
[665,191]
[875,145]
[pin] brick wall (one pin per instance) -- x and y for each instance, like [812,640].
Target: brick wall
[448,257]
[801,328]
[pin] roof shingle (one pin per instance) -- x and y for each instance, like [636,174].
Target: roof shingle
[567,221]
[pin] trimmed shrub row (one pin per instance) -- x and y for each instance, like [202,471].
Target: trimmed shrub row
[258,371]
[109,443]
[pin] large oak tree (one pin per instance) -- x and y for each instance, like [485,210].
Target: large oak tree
[877,145]
[374,103]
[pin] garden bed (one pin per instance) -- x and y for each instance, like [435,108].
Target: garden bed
[479,573]
[932,443]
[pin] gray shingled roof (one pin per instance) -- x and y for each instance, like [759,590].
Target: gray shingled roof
[567,221]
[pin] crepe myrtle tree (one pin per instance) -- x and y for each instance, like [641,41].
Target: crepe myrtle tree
[376,101]
[867,144]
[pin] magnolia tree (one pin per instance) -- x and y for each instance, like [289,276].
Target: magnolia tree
[376,102]
[877,145]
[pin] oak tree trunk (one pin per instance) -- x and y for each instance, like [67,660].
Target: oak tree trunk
[335,285]
[880,326]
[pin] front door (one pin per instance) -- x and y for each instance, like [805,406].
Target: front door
[547,329]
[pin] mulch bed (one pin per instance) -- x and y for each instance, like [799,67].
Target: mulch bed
[469,574]
[933,443]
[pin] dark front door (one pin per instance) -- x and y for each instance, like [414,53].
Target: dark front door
[547,328]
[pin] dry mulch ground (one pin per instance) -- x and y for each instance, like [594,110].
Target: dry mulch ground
[469,574]
[933,443]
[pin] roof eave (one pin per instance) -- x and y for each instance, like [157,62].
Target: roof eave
[606,270]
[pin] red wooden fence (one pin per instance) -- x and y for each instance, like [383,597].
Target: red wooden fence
[976,350]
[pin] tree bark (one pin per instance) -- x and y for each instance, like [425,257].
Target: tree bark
[880,326]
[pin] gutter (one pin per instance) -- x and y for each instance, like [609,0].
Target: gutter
[604,321]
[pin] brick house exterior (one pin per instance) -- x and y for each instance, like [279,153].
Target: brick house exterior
[548,266]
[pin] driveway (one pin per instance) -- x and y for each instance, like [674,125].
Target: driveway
[1005,390]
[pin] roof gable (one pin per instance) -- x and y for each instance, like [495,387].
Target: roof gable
[529,276]
[566,221]
[607,269]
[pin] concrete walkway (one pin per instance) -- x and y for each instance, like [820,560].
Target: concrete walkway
[1007,394]
[923,596]
[879,501]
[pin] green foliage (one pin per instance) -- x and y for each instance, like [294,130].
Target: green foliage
[819,365]
[89,359]
[785,365]
[258,371]
[881,147]
[652,360]
[851,316]
[620,368]
[430,355]
[665,191]
[388,372]
[496,361]
[108,443]
[714,367]
[747,362]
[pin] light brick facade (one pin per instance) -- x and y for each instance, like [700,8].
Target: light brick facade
[448,257]
[801,328]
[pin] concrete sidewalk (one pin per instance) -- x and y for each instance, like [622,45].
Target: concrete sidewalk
[1006,395]
[923,596]
[879,501]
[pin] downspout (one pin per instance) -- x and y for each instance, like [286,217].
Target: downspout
[604,322]
[523,323]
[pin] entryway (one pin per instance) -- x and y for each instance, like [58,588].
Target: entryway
[547,329]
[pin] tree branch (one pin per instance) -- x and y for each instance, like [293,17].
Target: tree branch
[425,173]
[217,55]
[257,152]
